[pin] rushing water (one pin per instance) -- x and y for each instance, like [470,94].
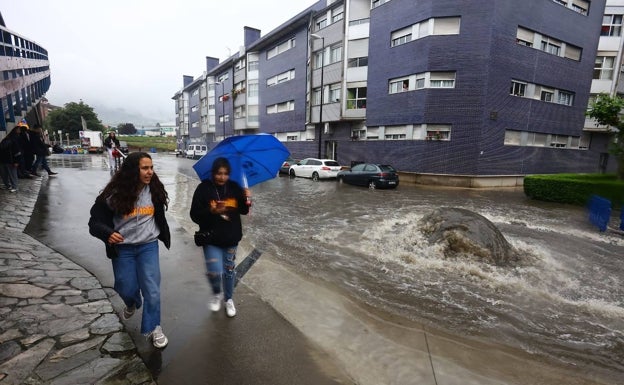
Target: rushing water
[562,300]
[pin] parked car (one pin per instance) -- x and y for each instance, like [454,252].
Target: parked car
[123,147]
[196,151]
[371,175]
[286,165]
[315,168]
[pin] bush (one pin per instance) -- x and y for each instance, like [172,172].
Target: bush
[574,188]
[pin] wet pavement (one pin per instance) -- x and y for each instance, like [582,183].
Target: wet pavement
[58,325]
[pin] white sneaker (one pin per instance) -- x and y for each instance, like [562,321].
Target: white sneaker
[158,338]
[215,302]
[230,310]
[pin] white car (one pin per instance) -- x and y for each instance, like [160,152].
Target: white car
[315,168]
[196,151]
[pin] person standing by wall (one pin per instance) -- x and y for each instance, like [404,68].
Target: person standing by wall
[40,149]
[129,217]
[111,142]
[10,156]
[216,207]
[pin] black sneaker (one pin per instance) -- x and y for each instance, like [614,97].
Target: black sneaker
[52,173]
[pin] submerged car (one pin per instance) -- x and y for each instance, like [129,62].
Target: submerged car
[315,168]
[371,175]
[286,165]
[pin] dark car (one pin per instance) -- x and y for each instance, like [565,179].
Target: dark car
[123,147]
[286,165]
[371,175]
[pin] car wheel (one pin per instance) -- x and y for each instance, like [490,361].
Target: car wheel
[315,176]
[292,173]
[371,185]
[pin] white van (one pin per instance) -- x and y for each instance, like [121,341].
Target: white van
[196,151]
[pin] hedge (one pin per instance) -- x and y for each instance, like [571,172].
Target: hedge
[574,188]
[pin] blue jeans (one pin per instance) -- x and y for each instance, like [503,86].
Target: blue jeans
[137,273]
[220,266]
[42,161]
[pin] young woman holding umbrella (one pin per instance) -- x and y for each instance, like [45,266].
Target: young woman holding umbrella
[217,205]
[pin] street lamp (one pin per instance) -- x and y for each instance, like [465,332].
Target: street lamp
[314,36]
[223,105]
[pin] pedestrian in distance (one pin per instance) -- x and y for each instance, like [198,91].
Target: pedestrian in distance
[10,155]
[41,150]
[216,207]
[111,143]
[28,157]
[129,217]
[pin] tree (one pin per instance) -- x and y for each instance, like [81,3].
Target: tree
[126,129]
[607,110]
[68,119]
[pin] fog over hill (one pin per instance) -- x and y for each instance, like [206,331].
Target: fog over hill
[115,116]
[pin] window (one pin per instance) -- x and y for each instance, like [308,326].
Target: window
[253,64]
[252,88]
[357,62]
[239,112]
[525,36]
[566,98]
[281,107]
[316,96]
[420,82]
[334,93]
[517,88]
[195,92]
[446,26]
[356,98]
[240,64]
[559,141]
[611,25]
[283,77]
[337,13]
[547,95]
[281,48]
[438,132]
[223,77]
[335,54]
[377,3]
[442,80]
[551,45]
[358,134]
[224,118]
[318,59]
[398,85]
[603,67]
[580,6]
[292,138]
[401,37]
[321,23]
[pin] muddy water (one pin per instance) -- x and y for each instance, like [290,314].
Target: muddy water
[561,302]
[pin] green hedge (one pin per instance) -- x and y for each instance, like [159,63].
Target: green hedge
[574,188]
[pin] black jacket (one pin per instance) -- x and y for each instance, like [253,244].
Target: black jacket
[226,232]
[108,142]
[10,150]
[101,225]
[39,148]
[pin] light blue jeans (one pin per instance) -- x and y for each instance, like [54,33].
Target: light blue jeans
[220,267]
[137,280]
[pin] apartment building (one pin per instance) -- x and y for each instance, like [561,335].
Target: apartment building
[429,87]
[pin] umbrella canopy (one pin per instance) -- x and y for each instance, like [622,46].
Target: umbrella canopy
[254,158]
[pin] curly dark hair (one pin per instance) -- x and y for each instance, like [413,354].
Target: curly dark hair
[123,188]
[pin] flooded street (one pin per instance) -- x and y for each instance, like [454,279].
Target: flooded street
[560,303]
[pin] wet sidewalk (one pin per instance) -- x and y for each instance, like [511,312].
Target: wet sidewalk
[58,325]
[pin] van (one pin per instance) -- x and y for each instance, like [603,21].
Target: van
[196,151]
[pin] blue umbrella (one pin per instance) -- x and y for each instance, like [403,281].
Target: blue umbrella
[254,158]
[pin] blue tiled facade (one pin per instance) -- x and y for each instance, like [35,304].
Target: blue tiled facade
[479,108]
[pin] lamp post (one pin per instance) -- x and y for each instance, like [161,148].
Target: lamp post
[223,105]
[314,36]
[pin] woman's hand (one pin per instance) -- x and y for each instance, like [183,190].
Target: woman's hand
[115,238]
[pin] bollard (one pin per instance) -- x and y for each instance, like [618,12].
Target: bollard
[599,212]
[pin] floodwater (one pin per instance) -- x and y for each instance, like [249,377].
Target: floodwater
[562,302]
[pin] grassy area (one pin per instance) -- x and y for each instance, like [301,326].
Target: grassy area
[160,143]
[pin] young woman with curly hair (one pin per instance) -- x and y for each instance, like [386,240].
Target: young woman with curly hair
[129,217]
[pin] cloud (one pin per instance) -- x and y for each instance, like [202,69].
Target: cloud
[131,55]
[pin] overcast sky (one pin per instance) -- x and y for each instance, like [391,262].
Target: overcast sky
[131,54]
